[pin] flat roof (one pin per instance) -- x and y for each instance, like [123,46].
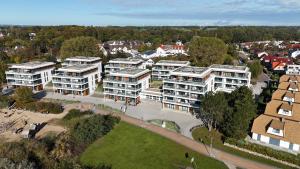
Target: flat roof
[83,58]
[77,68]
[262,122]
[130,72]
[172,63]
[229,67]
[126,60]
[280,94]
[32,65]
[190,71]
[273,107]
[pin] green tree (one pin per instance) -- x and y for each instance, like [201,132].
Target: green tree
[242,110]
[255,68]
[205,51]
[23,95]
[79,46]
[213,106]
[3,68]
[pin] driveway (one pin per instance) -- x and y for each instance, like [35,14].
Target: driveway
[147,110]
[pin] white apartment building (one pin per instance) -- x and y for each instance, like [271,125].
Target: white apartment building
[126,85]
[34,74]
[185,86]
[76,79]
[293,70]
[121,63]
[228,77]
[84,60]
[161,70]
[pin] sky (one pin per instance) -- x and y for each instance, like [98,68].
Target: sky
[150,12]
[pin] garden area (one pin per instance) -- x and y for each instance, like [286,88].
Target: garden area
[156,84]
[130,147]
[170,125]
[202,134]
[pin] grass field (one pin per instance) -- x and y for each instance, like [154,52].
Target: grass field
[130,147]
[203,133]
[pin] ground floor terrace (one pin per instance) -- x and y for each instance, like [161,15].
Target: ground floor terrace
[84,92]
[126,100]
[182,108]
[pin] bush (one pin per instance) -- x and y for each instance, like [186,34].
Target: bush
[52,108]
[88,130]
[280,155]
[4,101]
[74,113]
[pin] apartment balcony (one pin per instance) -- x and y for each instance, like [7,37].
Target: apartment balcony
[25,77]
[185,81]
[69,81]
[77,88]
[64,75]
[109,80]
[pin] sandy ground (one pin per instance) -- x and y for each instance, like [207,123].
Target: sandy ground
[15,119]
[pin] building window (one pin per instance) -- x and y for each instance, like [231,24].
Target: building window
[277,131]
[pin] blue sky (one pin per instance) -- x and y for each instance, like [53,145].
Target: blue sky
[150,12]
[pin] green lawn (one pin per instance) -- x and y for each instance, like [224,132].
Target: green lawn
[203,133]
[130,147]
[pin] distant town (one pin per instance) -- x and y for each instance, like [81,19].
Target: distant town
[150,97]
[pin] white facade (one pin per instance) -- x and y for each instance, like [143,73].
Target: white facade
[161,70]
[185,86]
[275,142]
[76,79]
[83,60]
[126,85]
[293,70]
[31,74]
[122,63]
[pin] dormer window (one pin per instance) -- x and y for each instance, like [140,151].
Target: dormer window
[289,97]
[276,127]
[293,87]
[285,109]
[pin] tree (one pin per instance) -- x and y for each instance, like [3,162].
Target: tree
[3,68]
[80,46]
[255,68]
[213,106]
[23,95]
[205,51]
[242,110]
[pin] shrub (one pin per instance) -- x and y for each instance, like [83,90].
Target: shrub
[88,130]
[52,108]
[74,113]
[280,155]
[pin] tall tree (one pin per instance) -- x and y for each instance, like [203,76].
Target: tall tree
[255,68]
[3,68]
[242,110]
[80,46]
[213,106]
[23,95]
[207,50]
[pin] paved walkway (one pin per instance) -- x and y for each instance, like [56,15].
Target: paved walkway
[147,110]
[230,160]
[151,110]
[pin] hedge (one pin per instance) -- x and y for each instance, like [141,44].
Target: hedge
[43,107]
[74,113]
[280,155]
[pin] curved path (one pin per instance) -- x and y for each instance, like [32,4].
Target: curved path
[147,111]
[229,159]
